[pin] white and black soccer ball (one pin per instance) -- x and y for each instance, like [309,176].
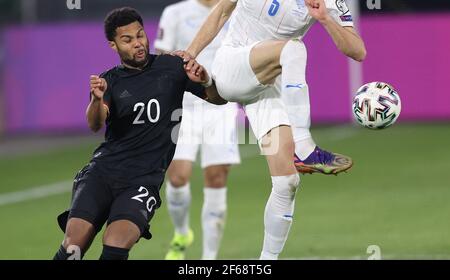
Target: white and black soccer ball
[376,105]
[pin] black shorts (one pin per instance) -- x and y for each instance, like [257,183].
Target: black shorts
[99,199]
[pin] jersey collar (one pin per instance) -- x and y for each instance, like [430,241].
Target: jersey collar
[127,70]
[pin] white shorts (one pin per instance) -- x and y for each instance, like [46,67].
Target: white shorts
[212,127]
[236,81]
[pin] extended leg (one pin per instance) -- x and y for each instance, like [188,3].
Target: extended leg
[77,240]
[288,58]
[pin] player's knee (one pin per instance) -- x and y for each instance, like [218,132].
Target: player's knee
[179,180]
[117,241]
[121,234]
[78,233]
[216,177]
[294,181]
[286,185]
[120,240]
[69,241]
[179,173]
[80,242]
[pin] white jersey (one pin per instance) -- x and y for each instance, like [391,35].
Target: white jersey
[260,20]
[178,26]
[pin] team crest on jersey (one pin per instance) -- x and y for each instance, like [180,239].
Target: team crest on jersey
[300,4]
[346,18]
[342,6]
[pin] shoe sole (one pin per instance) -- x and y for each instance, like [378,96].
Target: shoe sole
[345,165]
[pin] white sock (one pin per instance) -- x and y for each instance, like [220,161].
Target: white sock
[278,215]
[295,94]
[304,147]
[178,203]
[214,213]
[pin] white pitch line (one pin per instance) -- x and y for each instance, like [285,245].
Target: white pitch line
[35,193]
[365,257]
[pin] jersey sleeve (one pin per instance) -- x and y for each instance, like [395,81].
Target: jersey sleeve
[340,12]
[176,63]
[107,99]
[166,39]
[196,89]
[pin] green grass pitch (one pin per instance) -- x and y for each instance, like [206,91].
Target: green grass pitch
[397,196]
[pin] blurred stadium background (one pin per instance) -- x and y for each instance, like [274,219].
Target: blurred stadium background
[396,197]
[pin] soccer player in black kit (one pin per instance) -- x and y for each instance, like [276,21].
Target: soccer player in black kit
[140,103]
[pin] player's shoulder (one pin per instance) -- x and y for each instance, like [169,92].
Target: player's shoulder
[178,8]
[169,61]
[111,73]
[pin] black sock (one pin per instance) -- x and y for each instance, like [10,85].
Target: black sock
[114,253]
[61,254]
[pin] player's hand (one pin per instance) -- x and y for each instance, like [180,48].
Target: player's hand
[98,86]
[196,72]
[183,54]
[317,9]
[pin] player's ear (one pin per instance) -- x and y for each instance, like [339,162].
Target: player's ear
[113,45]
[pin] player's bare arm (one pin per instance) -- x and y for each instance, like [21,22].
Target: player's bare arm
[211,27]
[198,74]
[97,110]
[346,39]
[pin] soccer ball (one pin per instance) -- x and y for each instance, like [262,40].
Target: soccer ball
[376,105]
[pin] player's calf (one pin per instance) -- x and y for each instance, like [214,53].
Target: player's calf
[216,175]
[78,237]
[278,147]
[118,239]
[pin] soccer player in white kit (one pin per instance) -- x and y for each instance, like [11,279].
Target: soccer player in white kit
[211,127]
[261,65]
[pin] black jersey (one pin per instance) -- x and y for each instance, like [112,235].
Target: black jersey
[144,116]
